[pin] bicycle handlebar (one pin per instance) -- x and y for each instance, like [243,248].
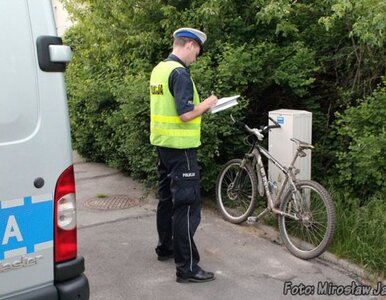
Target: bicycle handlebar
[259,133]
[277,125]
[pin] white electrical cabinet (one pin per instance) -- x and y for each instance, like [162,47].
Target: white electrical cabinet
[294,124]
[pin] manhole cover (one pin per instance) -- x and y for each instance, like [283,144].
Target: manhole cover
[111,202]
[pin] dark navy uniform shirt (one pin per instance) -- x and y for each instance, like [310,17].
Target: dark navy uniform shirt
[181,87]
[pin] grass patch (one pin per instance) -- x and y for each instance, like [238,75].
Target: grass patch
[360,234]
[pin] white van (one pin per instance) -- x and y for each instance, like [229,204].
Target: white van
[38,244]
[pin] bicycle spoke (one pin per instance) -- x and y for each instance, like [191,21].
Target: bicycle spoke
[235,191]
[308,236]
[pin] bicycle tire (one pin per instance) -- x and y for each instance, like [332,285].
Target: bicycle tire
[309,237]
[236,205]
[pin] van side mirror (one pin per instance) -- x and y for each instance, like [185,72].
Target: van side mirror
[52,54]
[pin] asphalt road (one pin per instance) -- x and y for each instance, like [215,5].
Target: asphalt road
[118,245]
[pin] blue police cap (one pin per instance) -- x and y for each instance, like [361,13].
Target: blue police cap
[191,33]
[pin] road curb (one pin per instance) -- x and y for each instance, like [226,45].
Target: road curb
[361,274]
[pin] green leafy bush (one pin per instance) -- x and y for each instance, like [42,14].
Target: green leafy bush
[361,163]
[116,45]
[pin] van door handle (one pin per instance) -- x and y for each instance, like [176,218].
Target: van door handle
[60,53]
[52,54]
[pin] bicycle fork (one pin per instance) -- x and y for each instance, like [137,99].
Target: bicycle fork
[271,204]
[236,181]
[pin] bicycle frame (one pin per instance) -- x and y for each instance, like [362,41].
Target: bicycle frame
[256,153]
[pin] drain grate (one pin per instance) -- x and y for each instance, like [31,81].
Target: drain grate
[111,202]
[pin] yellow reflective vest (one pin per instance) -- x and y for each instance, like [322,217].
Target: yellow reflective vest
[166,127]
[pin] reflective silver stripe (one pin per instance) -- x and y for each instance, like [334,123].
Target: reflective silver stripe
[187,160]
[190,242]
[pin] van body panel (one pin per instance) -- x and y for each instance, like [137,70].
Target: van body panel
[18,119]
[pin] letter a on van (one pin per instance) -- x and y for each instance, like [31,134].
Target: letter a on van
[38,241]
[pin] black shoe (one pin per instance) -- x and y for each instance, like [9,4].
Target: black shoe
[200,276]
[164,254]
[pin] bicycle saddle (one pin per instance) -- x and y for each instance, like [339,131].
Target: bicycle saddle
[301,144]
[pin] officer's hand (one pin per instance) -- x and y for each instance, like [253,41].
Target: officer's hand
[211,101]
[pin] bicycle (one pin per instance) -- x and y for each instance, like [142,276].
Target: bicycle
[305,211]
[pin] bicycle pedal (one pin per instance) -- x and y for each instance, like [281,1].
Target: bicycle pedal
[251,220]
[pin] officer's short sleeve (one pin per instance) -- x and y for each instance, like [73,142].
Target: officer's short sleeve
[181,87]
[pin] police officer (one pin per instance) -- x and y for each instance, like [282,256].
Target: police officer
[176,111]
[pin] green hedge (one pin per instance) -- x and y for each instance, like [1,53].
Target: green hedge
[362,130]
[116,46]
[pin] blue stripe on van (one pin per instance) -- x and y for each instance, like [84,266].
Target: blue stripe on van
[25,226]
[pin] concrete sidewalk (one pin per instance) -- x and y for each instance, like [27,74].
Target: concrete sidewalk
[118,246]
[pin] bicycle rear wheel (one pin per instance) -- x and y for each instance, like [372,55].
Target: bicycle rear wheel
[309,236]
[236,190]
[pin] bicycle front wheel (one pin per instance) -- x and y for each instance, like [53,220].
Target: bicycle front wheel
[236,189]
[312,232]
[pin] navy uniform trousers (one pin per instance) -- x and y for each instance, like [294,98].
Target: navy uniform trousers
[179,207]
